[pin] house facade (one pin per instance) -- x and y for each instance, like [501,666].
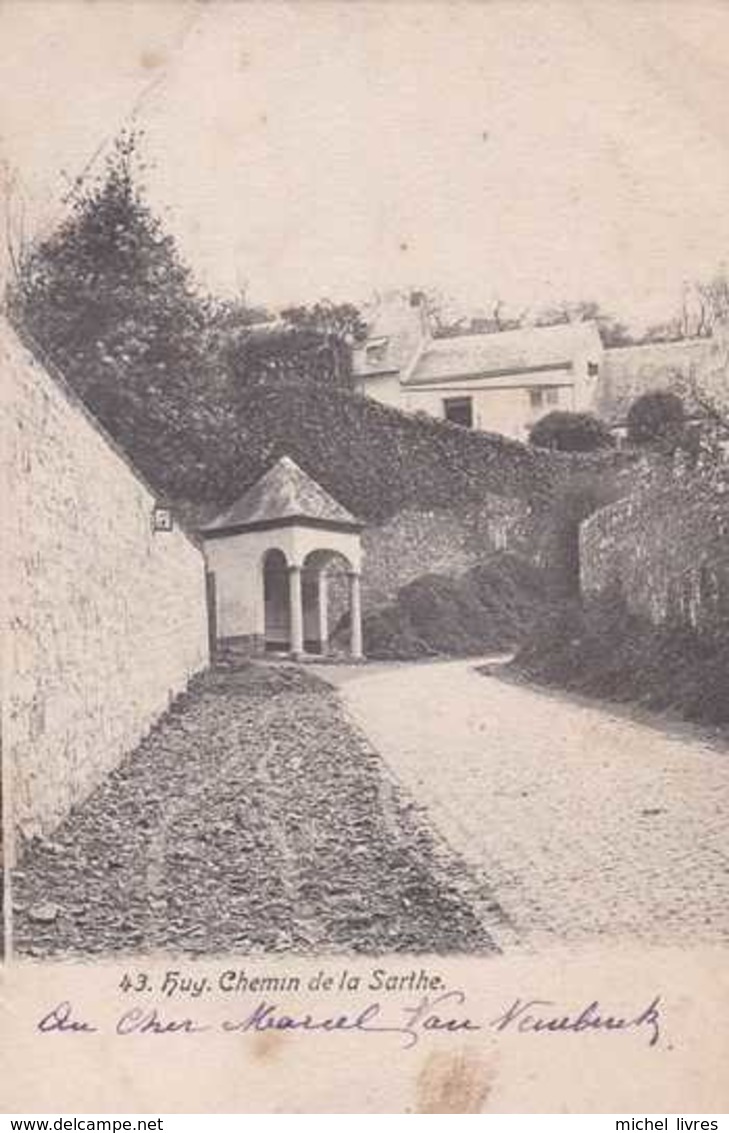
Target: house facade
[504,382]
[500,382]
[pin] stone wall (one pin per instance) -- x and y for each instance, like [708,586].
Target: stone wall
[104,620]
[667,546]
[414,543]
[627,372]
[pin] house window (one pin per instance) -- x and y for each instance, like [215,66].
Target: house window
[376,351]
[543,395]
[593,369]
[459,410]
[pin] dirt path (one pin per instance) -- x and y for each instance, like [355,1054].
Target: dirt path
[254,818]
[587,824]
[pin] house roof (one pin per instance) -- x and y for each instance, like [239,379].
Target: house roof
[397,328]
[284,494]
[512,351]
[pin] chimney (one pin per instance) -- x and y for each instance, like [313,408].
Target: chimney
[418,303]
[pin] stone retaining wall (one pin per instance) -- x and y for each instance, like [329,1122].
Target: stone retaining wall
[414,543]
[104,620]
[667,547]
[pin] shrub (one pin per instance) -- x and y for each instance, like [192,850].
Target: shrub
[600,648]
[657,419]
[377,460]
[570,432]
[490,607]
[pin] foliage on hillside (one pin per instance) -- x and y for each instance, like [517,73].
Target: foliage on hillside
[303,345]
[657,418]
[108,300]
[449,321]
[204,399]
[491,607]
[377,460]
[600,648]
[565,431]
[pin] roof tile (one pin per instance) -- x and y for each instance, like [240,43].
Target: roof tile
[285,492]
[508,351]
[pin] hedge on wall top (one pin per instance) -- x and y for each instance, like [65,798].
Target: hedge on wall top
[570,432]
[377,460]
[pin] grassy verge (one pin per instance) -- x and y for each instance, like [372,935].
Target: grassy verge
[490,607]
[598,647]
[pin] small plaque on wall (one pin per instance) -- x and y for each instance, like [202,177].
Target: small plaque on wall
[162,518]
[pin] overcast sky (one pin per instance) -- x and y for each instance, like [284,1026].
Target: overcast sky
[534,151]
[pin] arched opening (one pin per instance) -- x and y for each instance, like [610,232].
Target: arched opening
[277,602]
[326,597]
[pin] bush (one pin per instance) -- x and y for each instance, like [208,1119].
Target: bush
[658,420]
[376,460]
[490,607]
[570,432]
[600,648]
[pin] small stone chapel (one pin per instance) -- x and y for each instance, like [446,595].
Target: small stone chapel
[273,555]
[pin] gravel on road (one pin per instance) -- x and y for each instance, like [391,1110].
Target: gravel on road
[253,818]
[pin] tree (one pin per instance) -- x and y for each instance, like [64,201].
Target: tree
[612,332]
[706,390]
[657,419]
[330,331]
[570,432]
[704,307]
[304,344]
[107,298]
[495,319]
[448,318]
[340,322]
[712,303]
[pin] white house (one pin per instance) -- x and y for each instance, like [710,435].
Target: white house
[501,382]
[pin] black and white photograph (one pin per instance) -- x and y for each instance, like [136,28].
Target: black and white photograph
[364,379]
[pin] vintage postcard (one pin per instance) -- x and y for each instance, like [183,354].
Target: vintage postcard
[364,442]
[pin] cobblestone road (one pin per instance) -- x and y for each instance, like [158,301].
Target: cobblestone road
[586,823]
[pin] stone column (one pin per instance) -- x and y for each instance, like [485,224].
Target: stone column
[324,611]
[296,611]
[355,614]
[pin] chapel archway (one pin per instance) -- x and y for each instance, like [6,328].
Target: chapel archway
[277,602]
[276,553]
[330,591]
